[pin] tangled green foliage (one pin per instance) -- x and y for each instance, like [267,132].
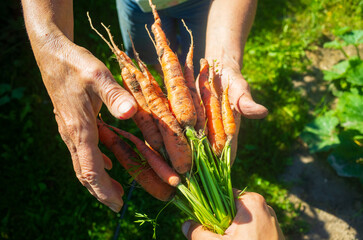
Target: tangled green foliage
[339,130]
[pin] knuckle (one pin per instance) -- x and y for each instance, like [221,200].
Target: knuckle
[111,92]
[81,179]
[89,177]
[72,128]
[99,73]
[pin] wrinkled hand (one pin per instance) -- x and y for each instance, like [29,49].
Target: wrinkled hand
[255,220]
[77,84]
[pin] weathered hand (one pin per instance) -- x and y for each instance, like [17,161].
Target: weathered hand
[77,84]
[255,220]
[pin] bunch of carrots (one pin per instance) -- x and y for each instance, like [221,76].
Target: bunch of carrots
[191,130]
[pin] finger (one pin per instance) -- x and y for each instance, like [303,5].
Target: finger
[272,211]
[242,100]
[249,108]
[92,172]
[107,190]
[118,101]
[73,151]
[195,231]
[107,161]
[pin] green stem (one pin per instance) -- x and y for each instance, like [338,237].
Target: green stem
[357,49]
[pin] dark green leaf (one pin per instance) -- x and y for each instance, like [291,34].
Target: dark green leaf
[4,100]
[354,37]
[320,135]
[17,93]
[350,111]
[341,30]
[355,74]
[4,88]
[345,158]
[337,71]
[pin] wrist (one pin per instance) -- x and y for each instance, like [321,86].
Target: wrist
[225,62]
[48,42]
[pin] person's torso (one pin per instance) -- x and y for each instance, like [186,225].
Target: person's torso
[160,4]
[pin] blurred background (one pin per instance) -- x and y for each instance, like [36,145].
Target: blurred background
[303,62]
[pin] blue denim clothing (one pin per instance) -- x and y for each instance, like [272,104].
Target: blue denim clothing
[194,12]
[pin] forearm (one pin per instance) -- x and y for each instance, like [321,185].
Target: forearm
[48,19]
[227,30]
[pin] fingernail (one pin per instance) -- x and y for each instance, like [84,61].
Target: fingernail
[185,228]
[114,207]
[125,107]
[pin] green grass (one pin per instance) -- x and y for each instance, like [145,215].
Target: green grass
[41,197]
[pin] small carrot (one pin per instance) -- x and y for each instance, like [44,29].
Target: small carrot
[227,115]
[143,117]
[131,161]
[158,164]
[190,81]
[216,134]
[148,75]
[181,102]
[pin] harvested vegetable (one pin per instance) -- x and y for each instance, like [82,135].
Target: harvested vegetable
[135,166]
[143,117]
[216,134]
[181,102]
[197,145]
[190,81]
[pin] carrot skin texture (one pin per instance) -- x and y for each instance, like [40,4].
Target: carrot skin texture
[154,159]
[130,160]
[143,117]
[227,115]
[181,102]
[190,81]
[148,75]
[216,134]
[174,140]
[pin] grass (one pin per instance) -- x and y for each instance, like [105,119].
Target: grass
[41,197]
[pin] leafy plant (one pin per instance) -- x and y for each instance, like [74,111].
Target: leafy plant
[339,131]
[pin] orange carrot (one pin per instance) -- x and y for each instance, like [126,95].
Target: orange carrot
[190,81]
[227,115]
[130,160]
[147,74]
[181,102]
[216,134]
[143,117]
[175,142]
[154,159]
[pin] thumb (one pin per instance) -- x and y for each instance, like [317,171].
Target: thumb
[249,108]
[241,98]
[119,102]
[195,231]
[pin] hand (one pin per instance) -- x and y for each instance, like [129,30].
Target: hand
[239,96]
[77,84]
[255,220]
